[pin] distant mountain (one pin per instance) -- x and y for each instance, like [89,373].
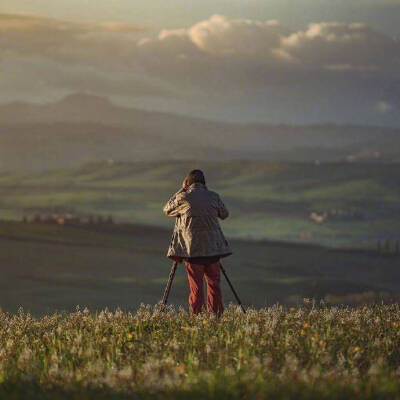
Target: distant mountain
[83,128]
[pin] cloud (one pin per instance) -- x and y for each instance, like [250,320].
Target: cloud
[341,46]
[243,63]
[26,35]
[19,23]
[42,54]
[229,37]
[326,46]
[218,43]
[221,54]
[221,37]
[236,56]
[34,77]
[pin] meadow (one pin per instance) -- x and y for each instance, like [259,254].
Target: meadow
[267,200]
[75,320]
[309,352]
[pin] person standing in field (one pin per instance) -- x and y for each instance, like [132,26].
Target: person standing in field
[198,239]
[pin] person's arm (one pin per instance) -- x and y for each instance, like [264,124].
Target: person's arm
[172,207]
[223,212]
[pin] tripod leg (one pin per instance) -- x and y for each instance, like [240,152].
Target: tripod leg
[233,290]
[169,284]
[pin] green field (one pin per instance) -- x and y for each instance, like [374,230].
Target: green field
[304,353]
[267,200]
[45,268]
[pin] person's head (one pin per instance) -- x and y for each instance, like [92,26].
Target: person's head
[195,176]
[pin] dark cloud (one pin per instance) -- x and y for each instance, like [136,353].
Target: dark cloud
[24,35]
[342,46]
[245,43]
[224,58]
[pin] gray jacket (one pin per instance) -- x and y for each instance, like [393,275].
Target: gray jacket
[197,232]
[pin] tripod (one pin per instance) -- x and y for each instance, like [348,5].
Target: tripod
[171,278]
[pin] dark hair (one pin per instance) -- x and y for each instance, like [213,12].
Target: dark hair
[195,176]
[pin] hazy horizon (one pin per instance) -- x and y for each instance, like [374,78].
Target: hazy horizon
[72,96]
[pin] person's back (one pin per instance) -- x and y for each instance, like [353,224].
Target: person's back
[198,238]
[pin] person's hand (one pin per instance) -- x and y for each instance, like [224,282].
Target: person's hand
[185,184]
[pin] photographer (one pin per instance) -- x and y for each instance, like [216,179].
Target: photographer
[198,239]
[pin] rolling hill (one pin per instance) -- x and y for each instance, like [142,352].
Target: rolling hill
[267,200]
[45,268]
[85,128]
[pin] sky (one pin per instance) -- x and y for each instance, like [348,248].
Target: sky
[269,61]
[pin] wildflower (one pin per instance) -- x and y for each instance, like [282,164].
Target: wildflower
[25,356]
[181,368]
[53,370]
[315,372]
[124,350]
[373,370]
[125,373]
[186,328]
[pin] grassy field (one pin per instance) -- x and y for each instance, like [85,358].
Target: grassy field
[273,353]
[267,200]
[45,268]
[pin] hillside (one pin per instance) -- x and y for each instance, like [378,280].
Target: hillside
[46,268]
[84,128]
[271,200]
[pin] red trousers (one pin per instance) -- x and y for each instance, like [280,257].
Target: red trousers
[196,273]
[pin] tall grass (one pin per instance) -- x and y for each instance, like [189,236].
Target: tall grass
[308,352]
